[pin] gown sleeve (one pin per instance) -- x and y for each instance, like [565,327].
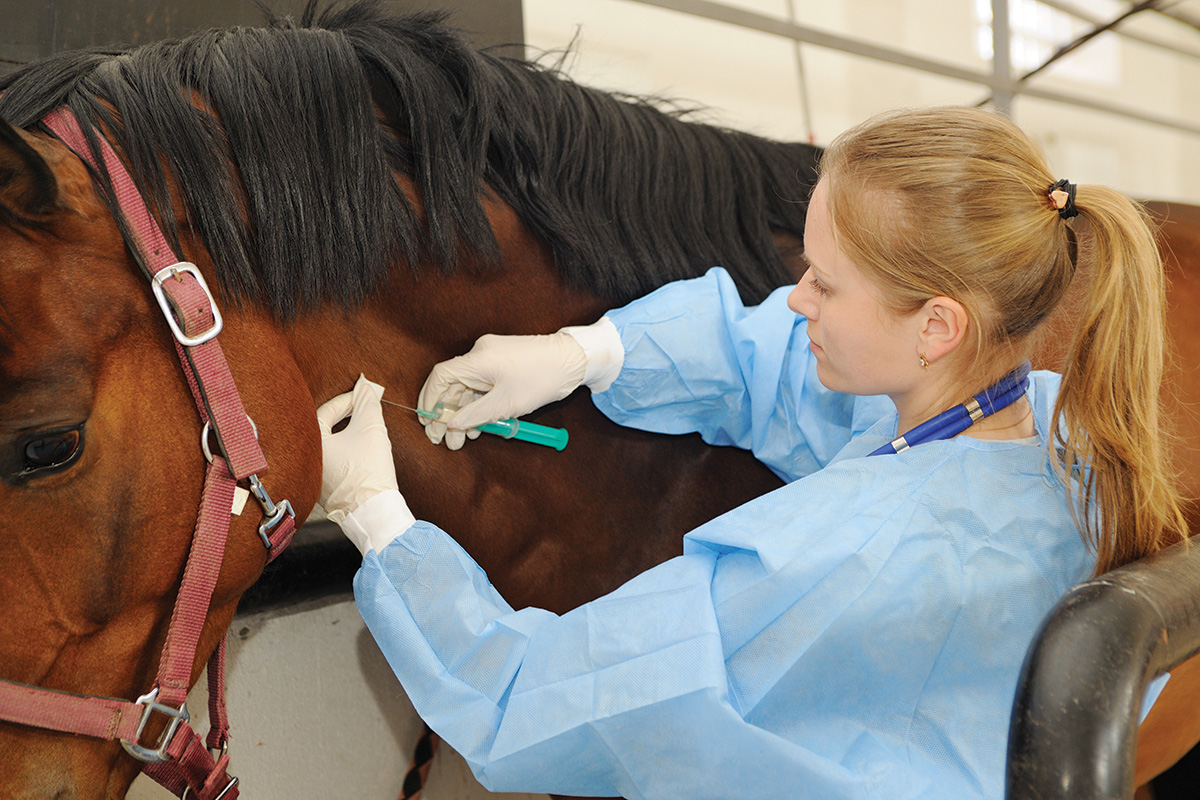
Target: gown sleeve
[698,361]
[632,695]
[574,704]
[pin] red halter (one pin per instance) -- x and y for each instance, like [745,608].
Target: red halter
[179,760]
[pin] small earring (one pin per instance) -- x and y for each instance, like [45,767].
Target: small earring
[924,361]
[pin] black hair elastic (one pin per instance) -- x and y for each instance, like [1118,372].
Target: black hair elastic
[1062,195]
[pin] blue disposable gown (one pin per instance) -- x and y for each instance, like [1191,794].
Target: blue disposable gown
[857,633]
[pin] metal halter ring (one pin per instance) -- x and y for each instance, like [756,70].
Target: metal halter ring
[208,429]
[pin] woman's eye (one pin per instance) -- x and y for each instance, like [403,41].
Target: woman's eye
[52,451]
[816,285]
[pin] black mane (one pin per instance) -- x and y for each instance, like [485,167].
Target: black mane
[628,197]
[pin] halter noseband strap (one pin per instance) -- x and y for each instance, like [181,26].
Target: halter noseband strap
[180,762]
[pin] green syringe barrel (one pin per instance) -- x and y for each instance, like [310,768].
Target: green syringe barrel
[527,432]
[512,429]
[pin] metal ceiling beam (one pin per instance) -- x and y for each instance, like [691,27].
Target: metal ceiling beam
[1191,20]
[1154,41]
[719,12]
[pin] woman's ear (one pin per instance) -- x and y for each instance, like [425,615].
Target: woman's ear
[943,324]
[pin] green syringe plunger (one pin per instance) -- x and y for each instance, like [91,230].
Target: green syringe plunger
[505,428]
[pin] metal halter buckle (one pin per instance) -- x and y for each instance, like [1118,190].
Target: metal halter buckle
[157,754]
[273,513]
[156,286]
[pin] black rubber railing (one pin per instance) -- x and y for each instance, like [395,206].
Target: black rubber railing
[1073,734]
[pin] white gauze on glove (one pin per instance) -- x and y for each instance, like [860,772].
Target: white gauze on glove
[356,461]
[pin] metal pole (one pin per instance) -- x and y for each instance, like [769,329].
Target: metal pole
[802,77]
[1002,95]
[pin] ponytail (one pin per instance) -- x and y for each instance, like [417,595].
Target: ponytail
[1113,450]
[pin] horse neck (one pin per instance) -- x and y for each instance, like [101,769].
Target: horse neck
[421,316]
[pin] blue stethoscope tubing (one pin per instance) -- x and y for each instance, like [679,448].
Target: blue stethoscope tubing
[954,421]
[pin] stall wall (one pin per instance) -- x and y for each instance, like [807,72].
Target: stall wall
[36,29]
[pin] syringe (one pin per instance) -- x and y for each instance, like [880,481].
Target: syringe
[505,428]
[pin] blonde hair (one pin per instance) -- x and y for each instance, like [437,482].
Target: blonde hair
[955,202]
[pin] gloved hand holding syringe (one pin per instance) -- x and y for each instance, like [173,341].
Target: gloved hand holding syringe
[505,377]
[505,428]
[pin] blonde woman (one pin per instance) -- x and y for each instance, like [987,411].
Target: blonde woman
[857,633]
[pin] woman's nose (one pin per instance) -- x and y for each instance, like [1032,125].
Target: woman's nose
[801,299]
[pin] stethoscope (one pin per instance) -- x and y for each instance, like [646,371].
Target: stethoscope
[954,421]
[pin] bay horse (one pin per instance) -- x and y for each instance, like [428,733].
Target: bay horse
[362,193]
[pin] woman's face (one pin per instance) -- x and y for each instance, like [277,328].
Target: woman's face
[861,348]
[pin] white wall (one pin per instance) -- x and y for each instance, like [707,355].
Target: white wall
[749,80]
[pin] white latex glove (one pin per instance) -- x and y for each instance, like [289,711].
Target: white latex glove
[357,461]
[508,376]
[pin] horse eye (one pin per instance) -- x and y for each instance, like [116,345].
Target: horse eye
[53,451]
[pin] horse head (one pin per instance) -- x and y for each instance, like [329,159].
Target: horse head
[102,465]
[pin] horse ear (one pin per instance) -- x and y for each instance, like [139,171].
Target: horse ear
[28,187]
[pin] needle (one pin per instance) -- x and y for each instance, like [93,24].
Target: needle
[420,411]
[505,428]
